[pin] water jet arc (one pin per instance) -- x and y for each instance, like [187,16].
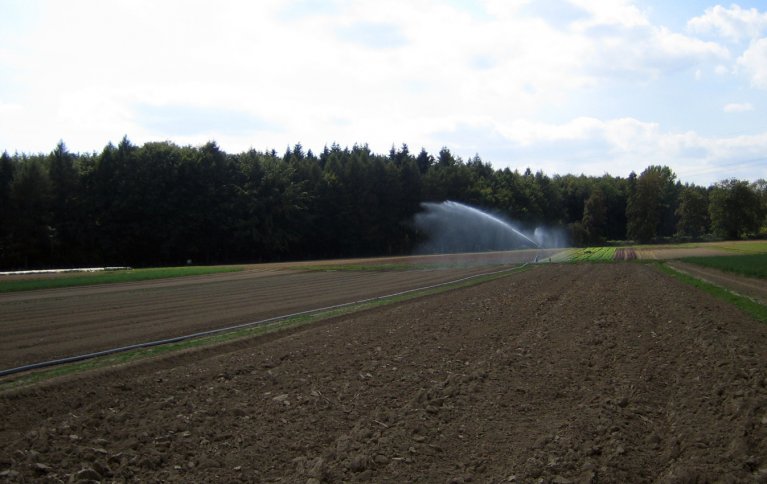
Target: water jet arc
[454,227]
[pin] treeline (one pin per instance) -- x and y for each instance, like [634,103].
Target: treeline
[163,204]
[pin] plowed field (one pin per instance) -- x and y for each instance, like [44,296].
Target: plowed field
[587,373]
[42,325]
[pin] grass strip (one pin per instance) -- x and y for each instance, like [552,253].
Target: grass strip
[750,265]
[747,247]
[758,311]
[110,277]
[258,330]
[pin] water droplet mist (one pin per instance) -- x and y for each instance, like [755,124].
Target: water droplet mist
[452,227]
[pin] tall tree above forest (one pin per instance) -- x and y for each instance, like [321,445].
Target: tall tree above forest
[650,202]
[65,191]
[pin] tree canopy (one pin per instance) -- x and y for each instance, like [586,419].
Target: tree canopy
[164,204]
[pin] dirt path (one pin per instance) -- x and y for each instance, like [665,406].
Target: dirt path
[747,286]
[582,373]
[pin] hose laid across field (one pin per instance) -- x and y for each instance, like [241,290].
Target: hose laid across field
[200,334]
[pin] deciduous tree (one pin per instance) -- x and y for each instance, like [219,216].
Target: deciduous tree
[650,203]
[692,212]
[736,209]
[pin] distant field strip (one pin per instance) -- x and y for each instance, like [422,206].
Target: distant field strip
[751,265]
[14,283]
[662,252]
[593,254]
[564,256]
[745,247]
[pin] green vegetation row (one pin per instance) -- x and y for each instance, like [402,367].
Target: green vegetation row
[593,254]
[740,246]
[758,311]
[160,204]
[752,262]
[750,265]
[751,247]
[108,277]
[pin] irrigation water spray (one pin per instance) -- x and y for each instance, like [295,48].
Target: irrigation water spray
[452,227]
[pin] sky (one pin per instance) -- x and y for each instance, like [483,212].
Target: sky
[563,86]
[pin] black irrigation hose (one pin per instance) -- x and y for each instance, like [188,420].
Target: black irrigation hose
[177,339]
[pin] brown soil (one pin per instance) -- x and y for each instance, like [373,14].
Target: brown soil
[678,252]
[43,325]
[55,323]
[747,286]
[626,253]
[464,259]
[585,373]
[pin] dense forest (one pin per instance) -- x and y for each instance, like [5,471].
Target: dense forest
[164,204]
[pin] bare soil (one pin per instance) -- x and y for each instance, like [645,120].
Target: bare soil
[625,253]
[582,373]
[43,325]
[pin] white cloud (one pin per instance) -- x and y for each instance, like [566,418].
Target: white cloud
[621,13]
[734,23]
[675,46]
[754,62]
[272,73]
[373,34]
[737,107]
[617,146]
[623,42]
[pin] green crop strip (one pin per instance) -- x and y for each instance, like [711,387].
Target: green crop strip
[758,311]
[605,254]
[751,265]
[593,254]
[110,277]
[297,321]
